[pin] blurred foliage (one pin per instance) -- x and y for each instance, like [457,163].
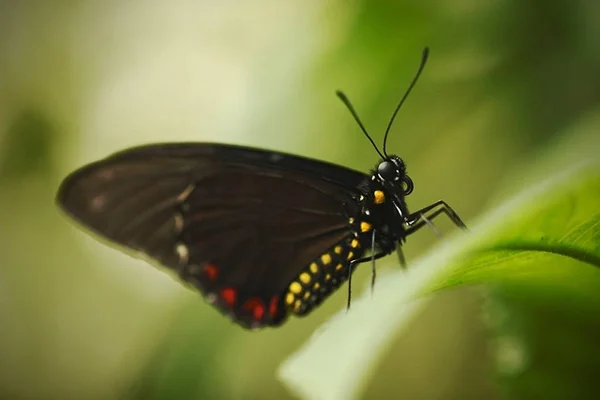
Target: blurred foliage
[510,97]
[28,146]
[544,343]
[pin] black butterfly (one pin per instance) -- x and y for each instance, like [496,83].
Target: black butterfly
[260,233]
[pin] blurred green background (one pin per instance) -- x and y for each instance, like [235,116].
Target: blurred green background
[511,95]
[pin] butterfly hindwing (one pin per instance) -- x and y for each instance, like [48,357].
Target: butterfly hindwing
[239,224]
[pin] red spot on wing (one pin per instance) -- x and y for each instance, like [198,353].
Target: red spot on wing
[211,271]
[273,305]
[256,307]
[229,296]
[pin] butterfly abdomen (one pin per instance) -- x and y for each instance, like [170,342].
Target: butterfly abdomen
[322,276]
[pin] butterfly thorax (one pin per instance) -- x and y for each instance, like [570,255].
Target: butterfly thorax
[380,224]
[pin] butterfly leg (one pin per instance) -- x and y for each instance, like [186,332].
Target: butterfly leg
[373,270]
[353,263]
[424,216]
[401,259]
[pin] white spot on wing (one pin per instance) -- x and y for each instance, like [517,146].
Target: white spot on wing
[183,253]
[97,203]
[211,298]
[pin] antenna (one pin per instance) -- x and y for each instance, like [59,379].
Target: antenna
[346,101]
[412,84]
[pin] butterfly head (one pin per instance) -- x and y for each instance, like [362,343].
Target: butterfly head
[391,172]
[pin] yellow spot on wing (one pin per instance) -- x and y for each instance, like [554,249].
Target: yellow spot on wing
[339,267]
[327,277]
[354,243]
[314,268]
[338,249]
[289,299]
[365,226]
[326,258]
[305,277]
[297,305]
[295,287]
[350,255]
[379,197]
[306,295]
[316,286]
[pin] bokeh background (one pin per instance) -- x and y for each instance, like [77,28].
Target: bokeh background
[510,96]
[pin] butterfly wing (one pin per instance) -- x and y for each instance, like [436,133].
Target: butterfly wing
[237,223]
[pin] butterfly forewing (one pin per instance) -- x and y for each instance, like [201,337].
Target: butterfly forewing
[130,202]
[237,223]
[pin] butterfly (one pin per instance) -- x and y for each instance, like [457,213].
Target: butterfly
[261,234]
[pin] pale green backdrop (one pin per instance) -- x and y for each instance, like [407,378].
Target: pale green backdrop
[511,95]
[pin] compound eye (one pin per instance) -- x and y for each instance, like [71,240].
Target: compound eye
[407,185]
[387,170]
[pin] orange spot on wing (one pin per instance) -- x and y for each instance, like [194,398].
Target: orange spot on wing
[256,307]
[229,295]
[273,305]
[211,271]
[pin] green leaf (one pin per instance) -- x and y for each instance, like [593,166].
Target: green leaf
[544,343]
[546,239]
